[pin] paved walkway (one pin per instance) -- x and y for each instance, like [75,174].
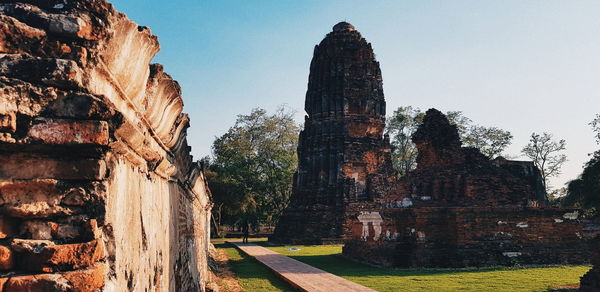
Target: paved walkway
[298,274]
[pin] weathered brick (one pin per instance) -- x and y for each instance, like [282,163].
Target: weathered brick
[61,131]
[36,229]
[6,258]
[68,230]
[26,166]
[30,191]
[7,226]
[62,73]
[45,256]
[591,280]
[80,106]
[40,282]
[34,198]
[8,122]
[85,280]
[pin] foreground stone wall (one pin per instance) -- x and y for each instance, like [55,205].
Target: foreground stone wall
[98,190]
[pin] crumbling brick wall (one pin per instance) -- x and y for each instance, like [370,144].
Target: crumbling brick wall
[97,185]
[591,280]
[464,236]
[458,208]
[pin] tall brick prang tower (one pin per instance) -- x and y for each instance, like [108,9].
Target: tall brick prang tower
[342,154]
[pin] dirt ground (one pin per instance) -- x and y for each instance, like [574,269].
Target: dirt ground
[222,278]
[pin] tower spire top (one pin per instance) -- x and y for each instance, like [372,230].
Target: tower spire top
[343,26]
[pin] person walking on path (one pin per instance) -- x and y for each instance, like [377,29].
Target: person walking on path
[245,231]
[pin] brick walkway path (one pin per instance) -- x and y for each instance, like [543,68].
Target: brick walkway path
[298,274]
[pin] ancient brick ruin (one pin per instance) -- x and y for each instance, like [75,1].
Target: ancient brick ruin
[98,190]
[458,208]
[342,154]
[591,280]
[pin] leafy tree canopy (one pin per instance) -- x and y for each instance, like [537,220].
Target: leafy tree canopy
[585,190]
[546,154]
[491,141]
[252,168]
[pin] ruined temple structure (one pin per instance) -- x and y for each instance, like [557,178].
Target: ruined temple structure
[98,190]
[343,156]
[457,208]
[591,280]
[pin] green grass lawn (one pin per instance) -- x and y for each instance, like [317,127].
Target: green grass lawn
[252,275]
[329,258]
[255,277]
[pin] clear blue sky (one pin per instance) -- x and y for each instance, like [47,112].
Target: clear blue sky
[523,66]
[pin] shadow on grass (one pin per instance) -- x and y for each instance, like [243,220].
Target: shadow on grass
[565,288]
[342,266]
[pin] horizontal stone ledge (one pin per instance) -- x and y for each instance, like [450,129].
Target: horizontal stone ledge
[60,24]
[55,72]
[79,105]
[64,131]
[10,146]
[6,259]
[51,191]
[86,280]
[26,166]
[46,198]
[46,256]
[72,230]
[33,99]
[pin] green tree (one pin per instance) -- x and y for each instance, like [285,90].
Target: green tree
[546,154]
[596,127]
[400,127]
[253,166]
[491,141]
[585,190]
[462,123]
